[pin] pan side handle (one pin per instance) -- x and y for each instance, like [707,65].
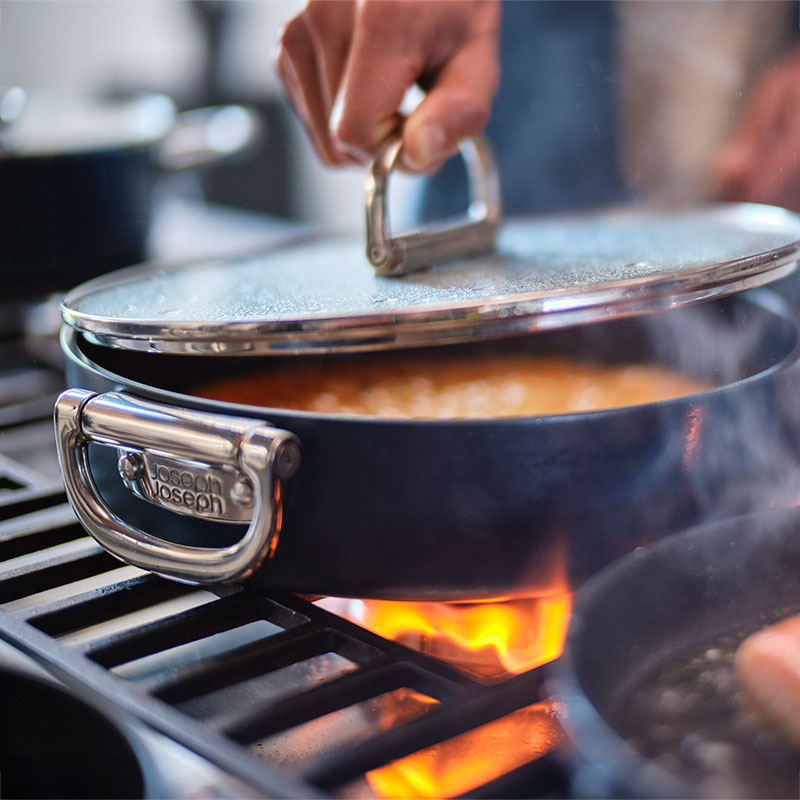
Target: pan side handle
[154,439]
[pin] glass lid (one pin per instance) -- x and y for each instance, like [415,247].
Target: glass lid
[321,294]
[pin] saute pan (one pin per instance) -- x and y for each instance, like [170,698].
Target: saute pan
[433,509]
[647,679]
[444,509]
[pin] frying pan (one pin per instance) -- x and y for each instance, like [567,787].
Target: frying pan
[647,684]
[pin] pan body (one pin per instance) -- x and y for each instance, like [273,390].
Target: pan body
[487,508]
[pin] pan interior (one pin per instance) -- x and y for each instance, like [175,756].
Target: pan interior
[685,713]
[662,673]
[718,343]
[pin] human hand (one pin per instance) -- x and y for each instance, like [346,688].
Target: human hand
[760,162]
[346,66]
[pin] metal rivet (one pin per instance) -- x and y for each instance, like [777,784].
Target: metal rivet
[287,459]
[242,493]
[131,467]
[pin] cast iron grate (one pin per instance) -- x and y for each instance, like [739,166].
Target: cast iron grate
[223,672]
[28,387]
[65,631]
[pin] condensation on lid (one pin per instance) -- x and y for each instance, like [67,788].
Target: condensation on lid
[546,272]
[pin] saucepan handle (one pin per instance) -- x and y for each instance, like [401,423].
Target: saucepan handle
[192,462]
[208,135]
[428,245]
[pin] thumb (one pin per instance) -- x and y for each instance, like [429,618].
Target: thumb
[457,106]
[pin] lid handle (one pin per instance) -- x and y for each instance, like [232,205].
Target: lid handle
[427,245]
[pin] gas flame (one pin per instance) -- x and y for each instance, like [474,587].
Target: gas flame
[464,762]
[490,639]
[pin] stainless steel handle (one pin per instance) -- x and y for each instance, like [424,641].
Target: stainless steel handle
[402,254]
[260,454]
[208,135]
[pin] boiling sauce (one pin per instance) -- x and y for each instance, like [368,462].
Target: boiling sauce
[453,388]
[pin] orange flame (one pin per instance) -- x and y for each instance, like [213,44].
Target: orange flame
[492,639]
[471,759]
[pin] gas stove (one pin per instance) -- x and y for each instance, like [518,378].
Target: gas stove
[233,691]
[283,695]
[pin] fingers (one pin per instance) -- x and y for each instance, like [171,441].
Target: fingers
[768,673]
[297,67]
[310,64]
[330,26]
[346,67]
[457,106]
[386,58]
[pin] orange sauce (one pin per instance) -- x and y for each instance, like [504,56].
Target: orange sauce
[456,388]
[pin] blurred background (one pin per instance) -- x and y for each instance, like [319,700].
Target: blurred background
[616,103]
[200,53]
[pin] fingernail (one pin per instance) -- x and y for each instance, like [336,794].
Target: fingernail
[431,141]
[356,153]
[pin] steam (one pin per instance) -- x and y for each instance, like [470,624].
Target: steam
[739,446]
